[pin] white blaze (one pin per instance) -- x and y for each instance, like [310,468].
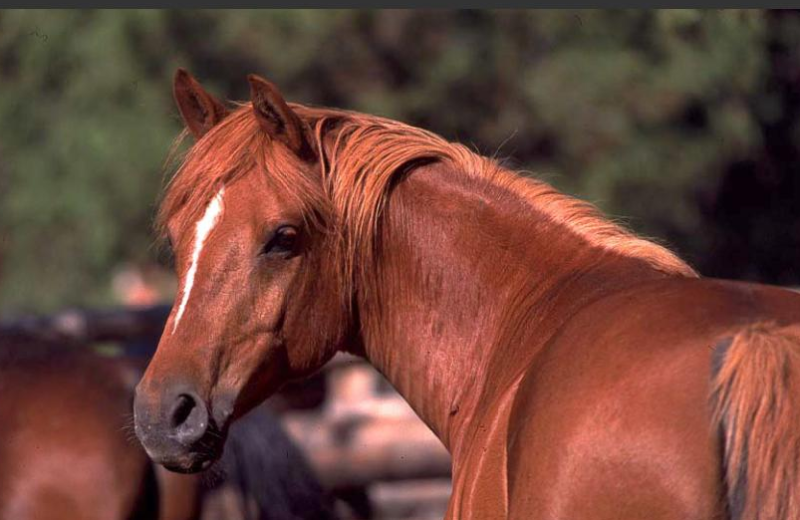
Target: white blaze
[202,230]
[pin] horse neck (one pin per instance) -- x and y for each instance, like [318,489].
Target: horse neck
[465,273]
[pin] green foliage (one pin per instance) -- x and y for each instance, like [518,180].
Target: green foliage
[86,121]
[636,111]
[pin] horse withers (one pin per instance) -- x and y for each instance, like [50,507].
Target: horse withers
[573,369]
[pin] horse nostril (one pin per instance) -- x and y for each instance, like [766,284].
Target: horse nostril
[182,409]
[189,418]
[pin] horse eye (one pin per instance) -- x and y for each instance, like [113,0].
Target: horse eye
[283,242]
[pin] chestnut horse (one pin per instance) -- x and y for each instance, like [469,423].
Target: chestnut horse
[63,440]
[68,451]
[573,369]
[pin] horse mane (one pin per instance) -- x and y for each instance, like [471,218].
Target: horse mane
[361,156]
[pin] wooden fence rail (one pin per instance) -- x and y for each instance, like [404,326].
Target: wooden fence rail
[90,325]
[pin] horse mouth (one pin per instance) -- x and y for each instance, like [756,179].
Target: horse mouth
[193,460]
[189,464]
[183,459]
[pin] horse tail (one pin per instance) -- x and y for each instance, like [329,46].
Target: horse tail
[269,473]
[756,407]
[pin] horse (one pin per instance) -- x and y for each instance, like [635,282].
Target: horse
[68,450]
[572,368]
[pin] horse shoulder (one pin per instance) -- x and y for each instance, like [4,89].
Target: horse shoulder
[480,478]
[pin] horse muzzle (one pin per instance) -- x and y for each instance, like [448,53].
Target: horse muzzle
[177,430]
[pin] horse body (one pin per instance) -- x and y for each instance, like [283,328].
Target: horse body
[65,450]
[68,451]
[573,369]
[612,418]
[587,394]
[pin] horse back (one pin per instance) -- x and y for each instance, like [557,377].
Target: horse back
[614,418]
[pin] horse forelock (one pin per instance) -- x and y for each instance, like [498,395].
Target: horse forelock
[361,155]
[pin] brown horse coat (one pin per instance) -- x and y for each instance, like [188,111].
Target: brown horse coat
[573,369]
[68,451]
[66,447]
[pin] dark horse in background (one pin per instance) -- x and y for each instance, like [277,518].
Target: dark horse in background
[573,369]
[67,450]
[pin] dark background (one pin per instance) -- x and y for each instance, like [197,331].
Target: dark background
[682,124]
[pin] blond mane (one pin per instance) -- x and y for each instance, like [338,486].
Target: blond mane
[362,154]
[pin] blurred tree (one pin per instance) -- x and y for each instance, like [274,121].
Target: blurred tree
[86,121]
[645,113]
[753,215]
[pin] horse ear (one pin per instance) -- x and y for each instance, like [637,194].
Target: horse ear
[199,109]
[278,120]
